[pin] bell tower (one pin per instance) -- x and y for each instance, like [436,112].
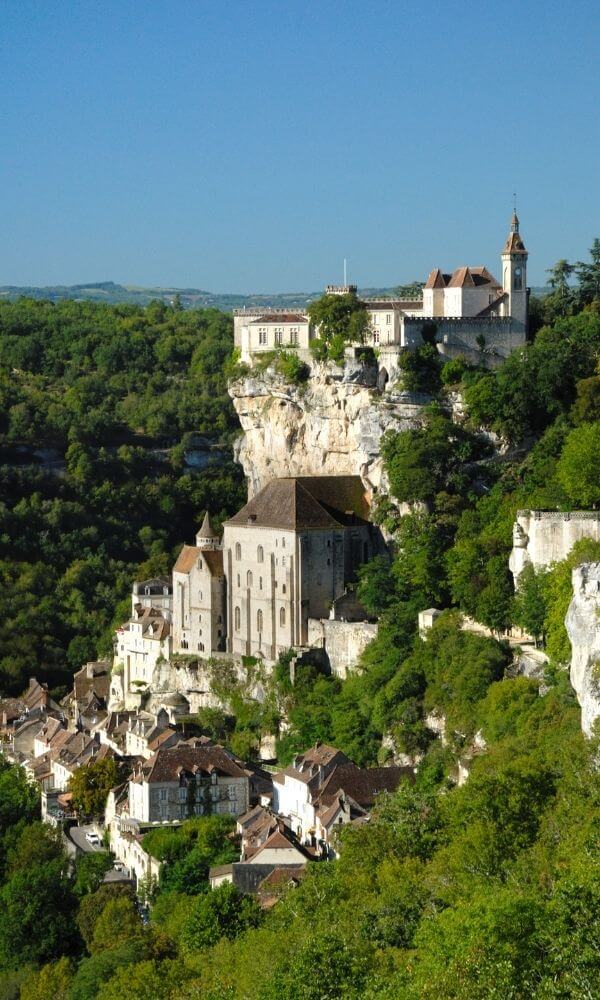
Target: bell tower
[514,275]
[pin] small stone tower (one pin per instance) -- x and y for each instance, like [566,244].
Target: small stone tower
[207,538]
[514,275]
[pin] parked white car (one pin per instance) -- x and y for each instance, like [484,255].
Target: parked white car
[93,839]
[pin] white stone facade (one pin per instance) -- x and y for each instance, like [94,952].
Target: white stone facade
[541,537]
[461,304]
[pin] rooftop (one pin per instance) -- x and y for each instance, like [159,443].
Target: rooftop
[295,504]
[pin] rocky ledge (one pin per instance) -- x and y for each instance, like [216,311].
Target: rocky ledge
[330,425]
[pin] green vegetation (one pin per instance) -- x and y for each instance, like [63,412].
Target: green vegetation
[341,320]
[190,850]
[91,784]
[486,890]
[117,393]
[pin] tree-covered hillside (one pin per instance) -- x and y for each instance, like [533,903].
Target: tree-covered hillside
[109,397]
[487,888]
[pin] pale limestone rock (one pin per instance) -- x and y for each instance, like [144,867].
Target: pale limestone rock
[583,627]
[329,426]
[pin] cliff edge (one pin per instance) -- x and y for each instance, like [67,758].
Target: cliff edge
[330,425]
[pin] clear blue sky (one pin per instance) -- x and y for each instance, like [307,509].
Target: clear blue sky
[249,145]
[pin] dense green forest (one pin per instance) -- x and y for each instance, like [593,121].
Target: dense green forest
[490,889]
[117,393]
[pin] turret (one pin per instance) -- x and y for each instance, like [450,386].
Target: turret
[514,275]
[207,537]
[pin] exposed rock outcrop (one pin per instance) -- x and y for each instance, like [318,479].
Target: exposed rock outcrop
[583,627]
[330,425]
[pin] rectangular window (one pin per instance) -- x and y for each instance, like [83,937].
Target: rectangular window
[388,319]
[262,335]
[278,335]
[294,335]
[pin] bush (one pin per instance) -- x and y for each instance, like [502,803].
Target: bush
[292,368]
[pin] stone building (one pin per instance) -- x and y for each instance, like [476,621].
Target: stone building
[467,310]
[288,554]
[181,781]
[199,595]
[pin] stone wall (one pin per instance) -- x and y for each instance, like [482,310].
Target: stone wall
[489,340]
[342,642]
[545,537]
[583,627]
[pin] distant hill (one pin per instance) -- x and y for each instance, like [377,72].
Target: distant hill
[191,298]
[110,291]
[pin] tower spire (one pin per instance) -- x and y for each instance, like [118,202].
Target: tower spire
[514,223]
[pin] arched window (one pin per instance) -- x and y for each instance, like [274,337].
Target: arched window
[259,620]
[237,617]
[249,579]
[260,554]
[518,279]
[282,616]
[238,550]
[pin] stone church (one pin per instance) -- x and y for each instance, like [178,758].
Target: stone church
[284,561]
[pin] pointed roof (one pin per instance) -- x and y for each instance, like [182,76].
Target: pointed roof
[436,279]
[207,530]
[514,242]
[307,502]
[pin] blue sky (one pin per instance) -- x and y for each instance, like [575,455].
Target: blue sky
[250,146]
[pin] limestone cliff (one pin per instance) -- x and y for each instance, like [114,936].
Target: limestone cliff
[583,626]
[330,425]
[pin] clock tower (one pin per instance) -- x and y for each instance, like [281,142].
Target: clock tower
[514,275]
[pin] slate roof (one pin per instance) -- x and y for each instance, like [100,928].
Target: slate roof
[207,530]
[362,784]
[94,678]
[154,626]
[168,762]
[298,504]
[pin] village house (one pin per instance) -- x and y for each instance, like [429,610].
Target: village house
[279,851]
[323,789]
[182,781]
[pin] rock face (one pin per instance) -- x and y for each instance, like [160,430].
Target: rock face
[583,627]
[331,425]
